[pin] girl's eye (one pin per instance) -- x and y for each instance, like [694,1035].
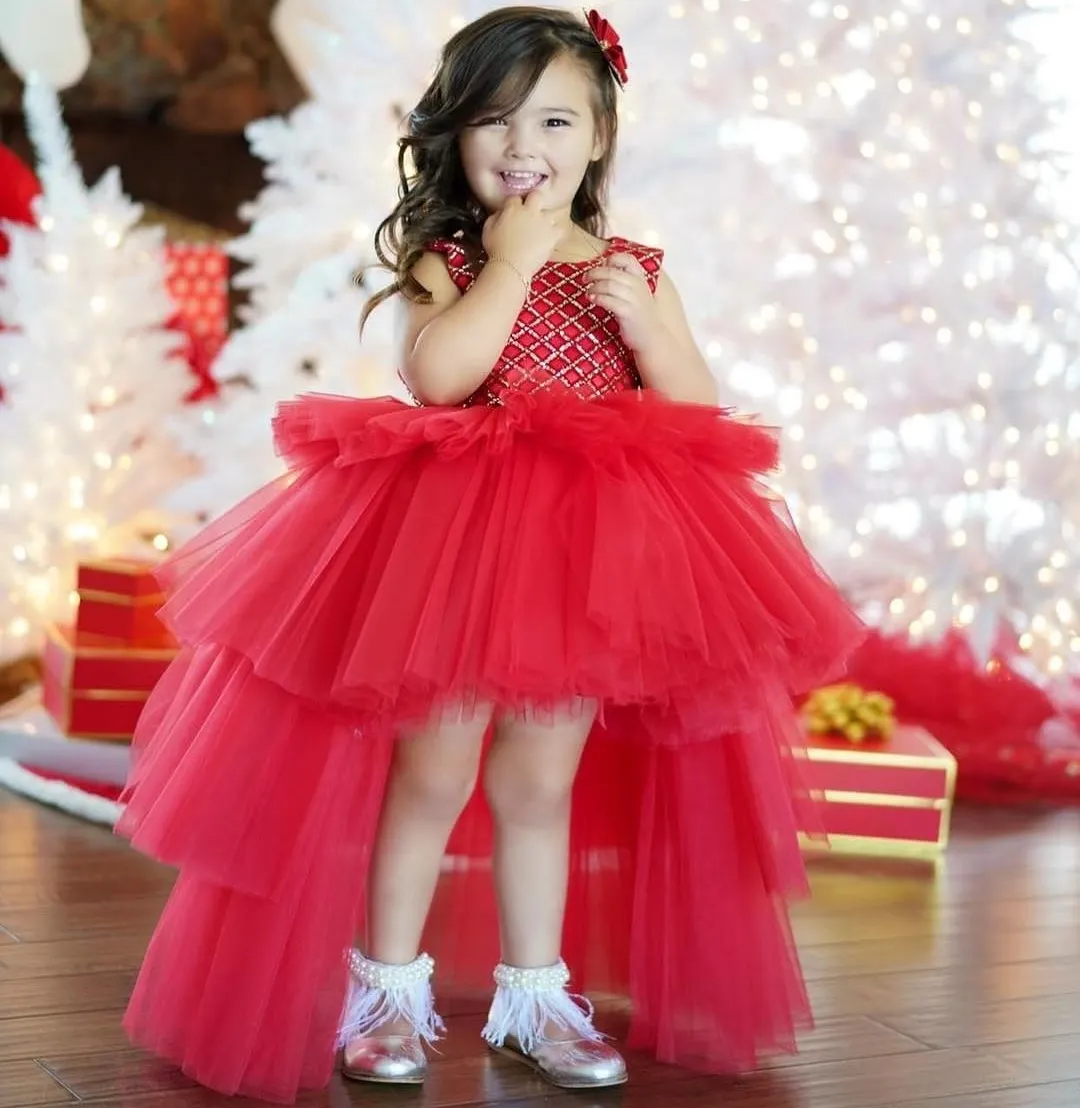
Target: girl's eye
[491,121]
[556,121]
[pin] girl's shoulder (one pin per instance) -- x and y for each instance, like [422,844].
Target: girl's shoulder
[446,245]
[651,257]
[458,260]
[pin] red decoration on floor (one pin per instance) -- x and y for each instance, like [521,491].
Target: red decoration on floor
[91,788]
[89,800]
[1014,741]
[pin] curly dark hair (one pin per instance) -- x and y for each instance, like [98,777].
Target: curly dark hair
[489,67]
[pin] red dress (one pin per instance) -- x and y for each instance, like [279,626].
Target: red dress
[564,534]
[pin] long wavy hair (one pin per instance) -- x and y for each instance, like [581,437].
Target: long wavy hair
[489,67]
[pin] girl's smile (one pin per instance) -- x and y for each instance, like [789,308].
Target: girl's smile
[547,142]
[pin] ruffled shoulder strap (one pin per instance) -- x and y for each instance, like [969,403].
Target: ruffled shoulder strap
[457,261]
[651,258]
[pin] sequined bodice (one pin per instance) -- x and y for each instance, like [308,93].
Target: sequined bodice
[560,341]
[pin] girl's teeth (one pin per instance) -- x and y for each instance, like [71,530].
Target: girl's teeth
[523,180]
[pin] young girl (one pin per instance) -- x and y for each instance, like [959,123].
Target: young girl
[557,572]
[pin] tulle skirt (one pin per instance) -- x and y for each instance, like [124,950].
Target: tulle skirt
[528,556]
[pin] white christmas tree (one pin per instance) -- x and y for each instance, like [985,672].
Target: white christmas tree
[911,317]
[856,203]
[331,172]
[89,379]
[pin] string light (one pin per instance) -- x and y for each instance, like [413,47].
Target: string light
[93,383]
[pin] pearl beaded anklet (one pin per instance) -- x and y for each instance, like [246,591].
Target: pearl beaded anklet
[382,975]
[527,1001]
[556,976]
[379,994]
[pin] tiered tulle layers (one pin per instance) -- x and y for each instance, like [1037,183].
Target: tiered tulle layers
[527,556]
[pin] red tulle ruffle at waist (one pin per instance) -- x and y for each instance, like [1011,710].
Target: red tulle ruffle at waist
[607,433]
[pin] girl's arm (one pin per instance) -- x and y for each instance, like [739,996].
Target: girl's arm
[453,343]
[669,360]
[655,328]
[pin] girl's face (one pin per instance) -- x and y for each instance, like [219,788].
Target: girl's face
[545,146]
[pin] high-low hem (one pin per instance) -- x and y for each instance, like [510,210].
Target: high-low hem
[624,552]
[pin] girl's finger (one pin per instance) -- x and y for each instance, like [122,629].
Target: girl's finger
[609,280]
[628,264]
[617,272]
[613,302]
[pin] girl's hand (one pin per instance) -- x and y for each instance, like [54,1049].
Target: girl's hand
[521,233]
[621,286]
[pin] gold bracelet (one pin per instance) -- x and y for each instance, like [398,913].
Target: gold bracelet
[517,272]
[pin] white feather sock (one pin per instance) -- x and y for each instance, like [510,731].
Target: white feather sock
[379,993]
[528,1000]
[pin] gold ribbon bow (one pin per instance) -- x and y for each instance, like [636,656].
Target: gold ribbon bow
[849,712]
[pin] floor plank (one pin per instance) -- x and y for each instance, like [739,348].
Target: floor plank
[1064,1094]
[44,996]
[97,954]
[80,1032]
[112,1076]
[1050,1058]
[24,1084]
[942,988]
[989,1022]
[118,915]
[947,988]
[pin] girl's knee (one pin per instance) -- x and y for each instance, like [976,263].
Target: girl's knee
[436,789]
[436,769]
[528,792]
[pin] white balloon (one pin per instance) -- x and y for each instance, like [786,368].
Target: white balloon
[45,38]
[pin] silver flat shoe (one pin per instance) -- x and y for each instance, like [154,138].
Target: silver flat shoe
[576,1064]
[382,996]
[385,1059]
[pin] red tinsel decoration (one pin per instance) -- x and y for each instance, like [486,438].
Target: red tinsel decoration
[1015,742]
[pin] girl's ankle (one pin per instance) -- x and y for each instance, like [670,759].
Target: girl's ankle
[392,1027]
[385,1000]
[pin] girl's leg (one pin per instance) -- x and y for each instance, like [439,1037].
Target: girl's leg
[431,779]
[528,779]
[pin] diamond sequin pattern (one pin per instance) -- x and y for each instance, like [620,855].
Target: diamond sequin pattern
[560,340]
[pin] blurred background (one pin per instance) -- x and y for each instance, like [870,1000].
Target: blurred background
[872,211]
[870,207]
[167,91]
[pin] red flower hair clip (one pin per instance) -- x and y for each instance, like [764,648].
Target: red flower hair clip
[608,41]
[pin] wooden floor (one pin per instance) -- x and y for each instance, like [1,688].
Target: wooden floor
[955,990]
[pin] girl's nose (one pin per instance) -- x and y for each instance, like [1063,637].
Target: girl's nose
[518,144]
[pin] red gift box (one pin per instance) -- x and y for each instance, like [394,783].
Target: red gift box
[95,691]
[118,603]
[885,797]
[197,279]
